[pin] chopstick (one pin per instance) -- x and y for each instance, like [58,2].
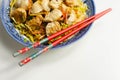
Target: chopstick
[82,25]
[36,44]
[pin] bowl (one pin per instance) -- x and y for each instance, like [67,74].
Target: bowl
[9,27]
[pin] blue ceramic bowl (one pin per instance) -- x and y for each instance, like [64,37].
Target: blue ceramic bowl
[4,13]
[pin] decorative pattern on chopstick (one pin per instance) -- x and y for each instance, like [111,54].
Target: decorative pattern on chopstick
[24,50]
[28,59]
[82,25]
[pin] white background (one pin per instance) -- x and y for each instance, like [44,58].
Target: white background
[96,56]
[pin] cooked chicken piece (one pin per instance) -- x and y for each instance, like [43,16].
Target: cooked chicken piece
[52,28]
[36,8]
[18,15]
[17,3]
[35,22]
[72,18]
[26,4]
[55,3]
[53,15]
[45,5]
[72,2]
[36,29]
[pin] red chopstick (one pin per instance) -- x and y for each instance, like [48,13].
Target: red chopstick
[82,25]
[23,50]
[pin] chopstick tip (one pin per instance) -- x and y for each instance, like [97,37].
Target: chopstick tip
[110,9]
[16,54]
[20,64]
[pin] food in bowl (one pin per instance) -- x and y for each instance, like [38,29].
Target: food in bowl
[37,19]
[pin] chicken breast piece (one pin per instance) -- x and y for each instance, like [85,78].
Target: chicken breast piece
[26,4]
[72,2]
[52,28]
[55,3]
[36,8]
[53,15]
[35,22]
[18,15]
[72,18]
[45,5]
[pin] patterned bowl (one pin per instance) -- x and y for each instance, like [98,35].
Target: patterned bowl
[4,14]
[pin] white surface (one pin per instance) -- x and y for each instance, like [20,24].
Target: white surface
[96,56]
